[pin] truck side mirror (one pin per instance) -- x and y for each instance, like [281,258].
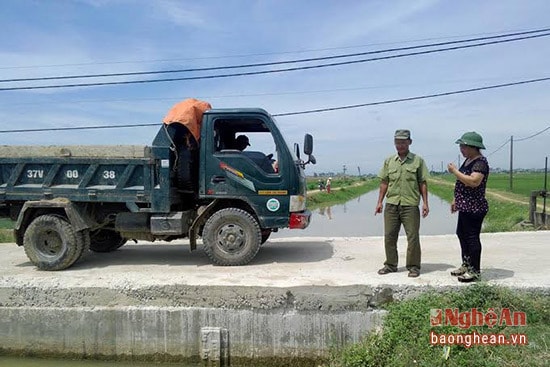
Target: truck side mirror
[308,144]
[308,149]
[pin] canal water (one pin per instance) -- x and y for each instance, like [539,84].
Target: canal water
[356,218]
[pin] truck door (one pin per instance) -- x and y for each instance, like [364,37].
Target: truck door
[243,160]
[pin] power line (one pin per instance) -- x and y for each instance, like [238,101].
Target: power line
[499,148]
[532,136]
[215,76]
[516,140]
[414,98]
[276,93]
[259,54]
[463,91]
[333,57]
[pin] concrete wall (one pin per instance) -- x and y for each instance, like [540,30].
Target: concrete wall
[173,331]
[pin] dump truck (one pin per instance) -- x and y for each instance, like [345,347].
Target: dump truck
[67,200]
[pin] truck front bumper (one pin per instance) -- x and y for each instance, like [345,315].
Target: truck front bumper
[299,220]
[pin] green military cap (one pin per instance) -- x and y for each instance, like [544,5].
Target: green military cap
[402,134]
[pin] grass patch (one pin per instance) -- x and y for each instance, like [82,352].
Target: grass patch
[405,337]
[6,223]
[502,216]
[6,230]
[522,183]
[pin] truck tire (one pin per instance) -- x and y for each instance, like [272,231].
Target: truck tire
[51,244]
[231,237]
[265,235]
[104,240]
[84,237]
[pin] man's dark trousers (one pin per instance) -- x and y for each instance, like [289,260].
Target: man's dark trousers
[409,216]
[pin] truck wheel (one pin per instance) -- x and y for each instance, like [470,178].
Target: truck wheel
[231,237]
[265,235]
[51,244]
[104,240]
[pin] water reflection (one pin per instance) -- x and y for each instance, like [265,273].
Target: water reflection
[356,218]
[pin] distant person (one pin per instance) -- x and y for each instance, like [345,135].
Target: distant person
[402,182]
[321,185]
[328,185]
[471,204]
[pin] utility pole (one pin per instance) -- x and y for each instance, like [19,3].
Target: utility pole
[344,173]
[511,162]
[359,170]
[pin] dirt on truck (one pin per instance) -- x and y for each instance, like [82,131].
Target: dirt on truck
[193,181]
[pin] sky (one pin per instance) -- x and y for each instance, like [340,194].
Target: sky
[80,37]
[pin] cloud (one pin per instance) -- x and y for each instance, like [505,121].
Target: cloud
[372,19]
[179,13]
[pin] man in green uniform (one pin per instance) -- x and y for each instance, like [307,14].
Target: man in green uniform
[402,182]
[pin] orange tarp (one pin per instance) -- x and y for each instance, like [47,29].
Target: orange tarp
[189,113]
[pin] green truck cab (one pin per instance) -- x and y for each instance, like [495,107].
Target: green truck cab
[66,200]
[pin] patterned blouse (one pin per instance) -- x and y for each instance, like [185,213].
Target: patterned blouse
[472,199]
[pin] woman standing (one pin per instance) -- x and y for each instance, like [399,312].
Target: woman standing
[471,204]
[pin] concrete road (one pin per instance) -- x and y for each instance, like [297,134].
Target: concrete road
[517,259]
[298,298]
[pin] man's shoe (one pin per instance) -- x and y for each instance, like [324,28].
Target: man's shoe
[386,270]
[469,277]
[460,271]
[413,273]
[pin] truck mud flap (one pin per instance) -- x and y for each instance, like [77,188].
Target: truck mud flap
[198,220]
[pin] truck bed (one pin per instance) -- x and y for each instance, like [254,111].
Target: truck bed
[117,173]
